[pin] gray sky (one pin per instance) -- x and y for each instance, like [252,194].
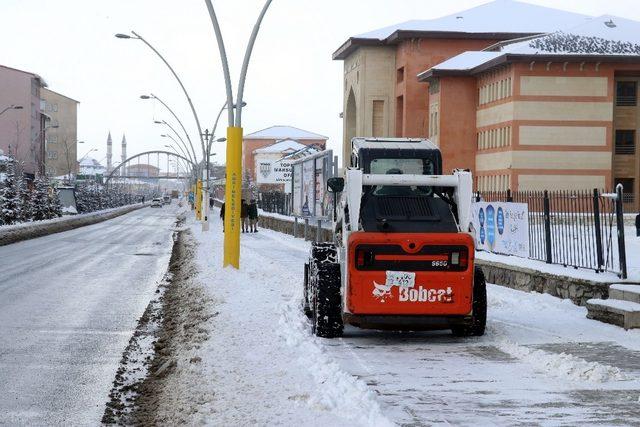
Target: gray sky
[292,79]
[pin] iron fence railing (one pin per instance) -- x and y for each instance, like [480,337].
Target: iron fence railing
[582,229]
[275,202]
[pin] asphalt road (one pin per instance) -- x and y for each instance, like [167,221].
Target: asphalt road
[69,303]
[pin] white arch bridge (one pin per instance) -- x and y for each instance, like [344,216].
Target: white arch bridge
[135,167]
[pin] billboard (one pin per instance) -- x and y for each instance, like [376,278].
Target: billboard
[273,171]
[309,185]
[501,227]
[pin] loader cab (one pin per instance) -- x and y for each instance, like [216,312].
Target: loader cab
[410,209]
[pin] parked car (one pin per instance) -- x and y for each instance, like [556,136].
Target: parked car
[157,203]
[167,200]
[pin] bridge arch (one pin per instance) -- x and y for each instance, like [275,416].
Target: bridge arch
[112,174]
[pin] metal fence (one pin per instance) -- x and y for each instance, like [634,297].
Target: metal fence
[275,202]
[582,229]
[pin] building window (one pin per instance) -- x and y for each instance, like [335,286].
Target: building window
[626,94]
[627,188]
[52,139]
[378,119]
[400,75]
[625,142]
[55,107]
[52,154]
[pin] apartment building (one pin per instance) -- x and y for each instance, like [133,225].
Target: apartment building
[61,142]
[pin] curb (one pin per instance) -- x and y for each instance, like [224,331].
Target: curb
[34,230]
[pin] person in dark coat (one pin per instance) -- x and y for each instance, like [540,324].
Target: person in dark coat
[638,225]
[222,216]
[253,216]
[244,215]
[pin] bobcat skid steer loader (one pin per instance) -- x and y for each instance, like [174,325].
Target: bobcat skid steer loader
[401,258]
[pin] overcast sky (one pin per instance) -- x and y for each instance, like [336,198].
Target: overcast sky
[292,78]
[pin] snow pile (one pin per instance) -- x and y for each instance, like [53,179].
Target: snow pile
[563,365]
[260,364]
[338,391]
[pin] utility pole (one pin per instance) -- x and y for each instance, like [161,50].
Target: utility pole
[233,192]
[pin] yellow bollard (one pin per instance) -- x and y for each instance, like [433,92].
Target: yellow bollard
[199,200]
[233,198]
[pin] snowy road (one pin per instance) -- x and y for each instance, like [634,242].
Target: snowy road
[540,363]
[69,303]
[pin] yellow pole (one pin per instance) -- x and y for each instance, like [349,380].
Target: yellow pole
[199,200]
[193,191]
[233,197]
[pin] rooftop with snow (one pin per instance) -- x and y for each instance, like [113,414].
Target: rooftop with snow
[605,38]
[284,132]
[499,19]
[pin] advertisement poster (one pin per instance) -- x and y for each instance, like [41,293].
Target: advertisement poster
[297,190]
[319,186]
[308,187]
[501,227]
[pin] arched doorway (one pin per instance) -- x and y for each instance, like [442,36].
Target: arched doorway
[349,126]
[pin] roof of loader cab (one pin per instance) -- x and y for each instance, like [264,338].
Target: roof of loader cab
[393,144]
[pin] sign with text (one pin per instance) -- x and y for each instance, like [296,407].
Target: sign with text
[309,185]
[501,227]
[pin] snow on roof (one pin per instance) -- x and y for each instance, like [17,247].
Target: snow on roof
[90,162]
[284,132]
[467,60]
[287,145]
[497,17]
[604,35]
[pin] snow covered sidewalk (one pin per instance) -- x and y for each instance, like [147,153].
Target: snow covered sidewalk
[541,361]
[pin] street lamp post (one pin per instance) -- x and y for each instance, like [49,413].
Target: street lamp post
[233,192]
[11,107]
[66,150]
[175,116]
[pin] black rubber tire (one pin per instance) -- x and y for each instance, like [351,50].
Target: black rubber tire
[327,303]
[478,322]
[305,298]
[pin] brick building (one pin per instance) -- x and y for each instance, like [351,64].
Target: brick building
[272,135]
[529,98]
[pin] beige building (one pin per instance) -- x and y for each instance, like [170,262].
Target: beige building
[61,144]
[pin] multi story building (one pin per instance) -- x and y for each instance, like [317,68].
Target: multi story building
[557,111]
[61,142]
[141,170]
[537,98]
[22,130]
[272,135]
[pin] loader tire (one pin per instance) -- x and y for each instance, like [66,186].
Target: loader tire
[327,304]
[321,253]
[479,318]
[305,298]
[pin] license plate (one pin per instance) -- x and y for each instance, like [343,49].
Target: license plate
[402,279]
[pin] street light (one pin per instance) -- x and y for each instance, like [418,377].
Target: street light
[184,144]
[11,107]
[234,136]
[137,36]
[175,116]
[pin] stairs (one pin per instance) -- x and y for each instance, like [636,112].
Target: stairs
[621,309]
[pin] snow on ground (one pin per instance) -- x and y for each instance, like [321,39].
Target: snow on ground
[541,362]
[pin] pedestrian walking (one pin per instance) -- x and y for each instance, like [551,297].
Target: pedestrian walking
[638,225]
[222,215]
[210,202]
[244,218]
[253,216]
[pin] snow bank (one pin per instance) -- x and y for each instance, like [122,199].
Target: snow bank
[338,391]
[562,365]
[16,233]
[260,363]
